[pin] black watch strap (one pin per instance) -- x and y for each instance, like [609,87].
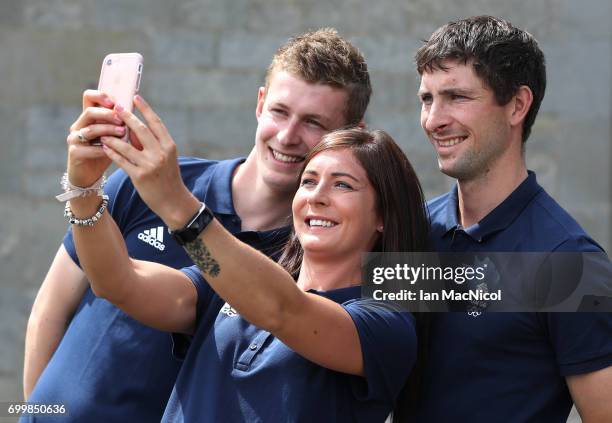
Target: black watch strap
[196,225]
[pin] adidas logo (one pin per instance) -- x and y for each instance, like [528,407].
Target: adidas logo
[229,310]
[153,237]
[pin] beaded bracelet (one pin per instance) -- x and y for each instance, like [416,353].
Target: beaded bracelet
[90,221]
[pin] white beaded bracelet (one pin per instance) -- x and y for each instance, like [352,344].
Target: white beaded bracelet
[72,191]
[90,221]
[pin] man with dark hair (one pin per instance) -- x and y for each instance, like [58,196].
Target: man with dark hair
[501,55]
[100,363]
[482,83]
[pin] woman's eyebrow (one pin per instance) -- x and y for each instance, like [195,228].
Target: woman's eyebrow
[334,174]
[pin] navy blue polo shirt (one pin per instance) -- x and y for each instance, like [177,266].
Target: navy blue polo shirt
[236,372]
[509,367]
[109,367]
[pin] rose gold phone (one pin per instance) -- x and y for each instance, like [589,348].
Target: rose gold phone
[120,78]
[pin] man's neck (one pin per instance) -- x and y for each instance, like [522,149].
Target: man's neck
[259,207]
[477,197]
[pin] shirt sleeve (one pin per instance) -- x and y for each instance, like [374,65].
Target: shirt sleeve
[582,341]
[389,347]
[207,307]
[205,293]
[119,190]
[579,243]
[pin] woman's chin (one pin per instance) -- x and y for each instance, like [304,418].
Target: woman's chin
[317,247]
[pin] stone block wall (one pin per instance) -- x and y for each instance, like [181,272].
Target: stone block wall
[205,59]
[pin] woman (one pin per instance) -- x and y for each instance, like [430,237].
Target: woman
[266,348]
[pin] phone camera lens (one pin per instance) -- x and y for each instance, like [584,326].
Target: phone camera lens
[109,62]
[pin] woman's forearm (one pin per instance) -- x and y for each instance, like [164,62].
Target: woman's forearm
[156,295]
[258,288]
[102,251]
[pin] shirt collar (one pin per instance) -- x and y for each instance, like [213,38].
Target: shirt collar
[501,216]
[219,193]
[340,295]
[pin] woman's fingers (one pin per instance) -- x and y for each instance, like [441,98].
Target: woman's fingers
[92,115]
[155,123]
[118,158]
[135,141]
[95,131]
[86,161]
[82,153]
[143,133]
[149,136]
[93,98]
[127,151]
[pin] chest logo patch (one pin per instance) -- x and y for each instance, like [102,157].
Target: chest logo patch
[229,310]
[154,237]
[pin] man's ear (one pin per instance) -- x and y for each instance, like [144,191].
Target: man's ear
[520,105]
[261,98]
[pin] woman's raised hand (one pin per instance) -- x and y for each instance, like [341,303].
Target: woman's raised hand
[86,160]
[153,168]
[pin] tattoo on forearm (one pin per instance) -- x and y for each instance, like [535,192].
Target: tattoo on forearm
[202,258]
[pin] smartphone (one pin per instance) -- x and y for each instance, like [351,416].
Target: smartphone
[120,78]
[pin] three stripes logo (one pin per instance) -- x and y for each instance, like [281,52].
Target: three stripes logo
[153,237]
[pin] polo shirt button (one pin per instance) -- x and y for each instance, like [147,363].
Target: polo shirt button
[253,347]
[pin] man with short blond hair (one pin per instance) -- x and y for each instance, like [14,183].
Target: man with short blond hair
[107,367]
